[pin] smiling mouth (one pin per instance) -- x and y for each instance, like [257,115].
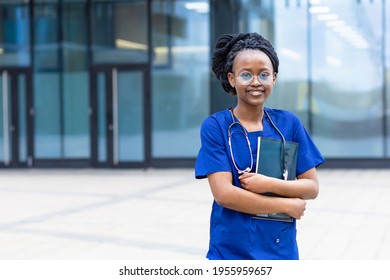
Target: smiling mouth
[255,92]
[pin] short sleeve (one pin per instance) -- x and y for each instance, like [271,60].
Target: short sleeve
[212,156]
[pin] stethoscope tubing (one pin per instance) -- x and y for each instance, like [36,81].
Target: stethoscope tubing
[245,132]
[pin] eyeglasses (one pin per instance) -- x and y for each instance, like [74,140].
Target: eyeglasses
[246,78]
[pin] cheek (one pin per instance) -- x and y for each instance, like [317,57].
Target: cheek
[240,89]
[268,91]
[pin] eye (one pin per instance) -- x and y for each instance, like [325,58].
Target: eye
[246,76]
[264,76]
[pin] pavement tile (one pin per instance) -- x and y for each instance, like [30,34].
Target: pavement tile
[164,214]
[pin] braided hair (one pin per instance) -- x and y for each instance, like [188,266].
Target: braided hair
[229,45]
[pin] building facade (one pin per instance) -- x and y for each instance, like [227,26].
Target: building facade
[127,83]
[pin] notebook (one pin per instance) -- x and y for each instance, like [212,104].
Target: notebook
[269,163]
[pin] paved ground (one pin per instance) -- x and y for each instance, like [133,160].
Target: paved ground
[164,214]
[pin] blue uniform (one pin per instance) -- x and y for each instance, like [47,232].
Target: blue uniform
[236,235]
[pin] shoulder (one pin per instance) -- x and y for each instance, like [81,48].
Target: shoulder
[218,119]
[288,123]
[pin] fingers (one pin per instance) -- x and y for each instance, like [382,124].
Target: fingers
[243,182]
[243,179]
[303,213]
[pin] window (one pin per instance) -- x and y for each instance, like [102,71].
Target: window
[331,70]
[119,31]
[180,79]
[14,34]
[346,53]
[387,74]
[61,92]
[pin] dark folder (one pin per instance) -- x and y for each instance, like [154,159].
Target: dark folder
[270,163]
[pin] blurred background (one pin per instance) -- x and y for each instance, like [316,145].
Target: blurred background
[127,83]
[105,92]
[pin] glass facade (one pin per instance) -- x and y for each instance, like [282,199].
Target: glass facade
[14,33]
[60,79]
[127,83]
[119,31]
[332,65]
[386,86]
[180,76]
[347,79]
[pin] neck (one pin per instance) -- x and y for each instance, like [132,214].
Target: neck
[252,119]
[249,114]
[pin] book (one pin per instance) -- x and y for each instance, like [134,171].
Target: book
[271,154]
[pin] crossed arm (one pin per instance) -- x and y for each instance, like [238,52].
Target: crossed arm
[249,199]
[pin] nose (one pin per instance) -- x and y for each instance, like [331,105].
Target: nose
[256,80]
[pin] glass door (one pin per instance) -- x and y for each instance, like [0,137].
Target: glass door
[118,116]
[15,118]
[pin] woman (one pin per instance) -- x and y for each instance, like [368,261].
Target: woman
[247,67]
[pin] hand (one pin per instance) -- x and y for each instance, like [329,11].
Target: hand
[297,208]
[254,182]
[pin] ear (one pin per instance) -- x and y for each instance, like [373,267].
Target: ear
[231,79]
[274,79]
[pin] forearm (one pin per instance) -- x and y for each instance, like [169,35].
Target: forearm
[236,198]
[305,187]
[241,200]
[300,188]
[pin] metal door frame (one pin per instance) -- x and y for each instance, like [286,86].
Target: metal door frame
[111,71]
[13,87]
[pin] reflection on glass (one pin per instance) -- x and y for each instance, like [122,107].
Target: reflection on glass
[75,82]
[291,91]
[61,92]
[280,22]
[5,118]
[47,108]
[75,104]
[102,124]
[14,33]
[46,36]
[113,38]
[387,69]
[345,111]
[47,122]
[130,116]
[347,78]
[22,125]
[180,79]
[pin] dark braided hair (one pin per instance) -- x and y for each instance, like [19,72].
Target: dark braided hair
[229,45]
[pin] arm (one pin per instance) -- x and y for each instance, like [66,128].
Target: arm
[235,198]
[305,187]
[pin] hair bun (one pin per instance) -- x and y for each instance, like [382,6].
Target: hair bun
[222,48]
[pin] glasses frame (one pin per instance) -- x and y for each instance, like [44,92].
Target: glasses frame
[250,81]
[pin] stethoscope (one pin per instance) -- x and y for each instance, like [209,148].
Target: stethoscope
[245,133]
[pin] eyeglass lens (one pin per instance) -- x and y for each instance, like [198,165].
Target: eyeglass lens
[265,78]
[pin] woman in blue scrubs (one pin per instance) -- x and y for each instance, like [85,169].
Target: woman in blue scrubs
[247,67]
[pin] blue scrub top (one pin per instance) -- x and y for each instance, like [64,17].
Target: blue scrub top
[236,235]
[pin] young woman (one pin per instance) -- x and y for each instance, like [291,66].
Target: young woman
[247,67]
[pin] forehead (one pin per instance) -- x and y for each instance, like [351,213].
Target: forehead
[250,58]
